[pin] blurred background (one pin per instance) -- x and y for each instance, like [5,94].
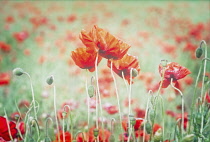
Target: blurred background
[39,37]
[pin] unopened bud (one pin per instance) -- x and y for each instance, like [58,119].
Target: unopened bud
[49,80]
[148,127]
[152,115]
[95,132]
[134,72]
[206,79]
[91,91]
[17,116]
[198,52]
[74,141]
[164,63]
[158,135]
[64,114]
[188,138]
[132,120]
[18,71]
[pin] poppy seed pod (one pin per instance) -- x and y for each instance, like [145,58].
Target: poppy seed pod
[188,138]
[198,52]
[152,115]
[148,127]
[164,63]
[91,91]
[158,135]
[49,80]
[134,72]
[18,71]
[95,132]
[132,120]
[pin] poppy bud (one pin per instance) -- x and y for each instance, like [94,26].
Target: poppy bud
[64,114]
[158,135]
[164,63]
[199,52]
[148,127]
[198,118]
[74,141]
[112,138]
[18,71]
[91,91]
[188,138]
[134,72]
[17,116]
[132,120]
[33,122]
[95,132]
[49,80]
[206,79]
[152,115]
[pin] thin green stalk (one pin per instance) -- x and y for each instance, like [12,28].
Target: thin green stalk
[10,135]
[88,101]
[55,111]
[182,97]
[46,127]
[99,96]
[33,98]
[116,91]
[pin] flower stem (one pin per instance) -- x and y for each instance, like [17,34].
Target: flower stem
[55,111]
[33,98]
[99,97]
[182,105]
[88,101]
[116,91]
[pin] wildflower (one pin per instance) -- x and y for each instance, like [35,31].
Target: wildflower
[21,36]
[4,79]
[5,47]
[104,43]
[124,66]
[4,132]
[173,71]
[136,126]
[68,136]
[111,109]
[84,59]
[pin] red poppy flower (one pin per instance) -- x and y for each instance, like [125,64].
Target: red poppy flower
[84,59]
[21,36]
[125,65]
[111,109]
[207,98]
[185,119]
[156,127]
[68,137]
[4,47]
[106,44]
[4,133]
[136,126]
[4,79]
[140,113]
[173,71]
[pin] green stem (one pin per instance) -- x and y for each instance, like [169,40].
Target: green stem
[116,91]
[88,101]
[46,126]
[182,104]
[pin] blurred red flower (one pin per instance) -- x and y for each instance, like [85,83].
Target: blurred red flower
[4,133]
[125,65]
[84,59]
[173,71]
[4,46]
[68,137]
[111,109]
[104,43]
[136,126]
[21,36]
[4,79]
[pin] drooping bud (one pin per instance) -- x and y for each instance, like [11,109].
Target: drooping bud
[112,138]
[206,79]
[64,114]
[198,52]
[152,115]
[91,91]
[95,132]
[132,120]
[158,135]
[49,80]
[188,138]
[18,71]
[32,121]
[164,63]
[134,72]
[148,127]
